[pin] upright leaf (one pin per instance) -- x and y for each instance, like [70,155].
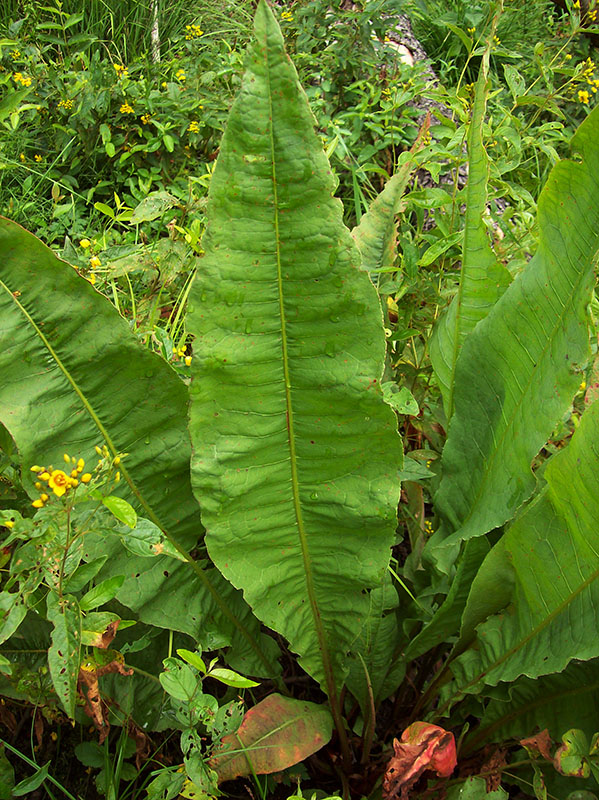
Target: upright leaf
[63,655]
[376,235]
[518,369]
[548,561]
[74,375]
[295,452]
[482,278]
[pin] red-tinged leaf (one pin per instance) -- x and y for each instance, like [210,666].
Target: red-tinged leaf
[277,733]
[571,757]
[539,744]
[422,747]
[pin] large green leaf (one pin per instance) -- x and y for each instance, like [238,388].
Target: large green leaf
[74,375]
[482,278]
[559,702]
[295,453]
[377,668]
[548,563]
[518,369]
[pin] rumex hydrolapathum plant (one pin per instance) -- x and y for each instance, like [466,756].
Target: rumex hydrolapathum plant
[295,454]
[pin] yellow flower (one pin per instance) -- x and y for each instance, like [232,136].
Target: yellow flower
[188,361]
[37,158]
[496,40]
[95,262]
[59,482]
[471,31]
[194,126]
[86,477]
[568,56]
[92,279]
[85,243]
[145,119]
[22,156]
[121,71]
[164,84]
[15,54]
[287,16]
[193,32]
[45,476]
[583,96]
[592,14]
[80,465]
[18,77]
[38,504]
[180,75]
[8,523]
[66,104]
[126,109]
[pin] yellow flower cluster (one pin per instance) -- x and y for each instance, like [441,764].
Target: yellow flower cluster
[24,80]
[126,109]
[58,480]
[592,14]
[106,460]
[66,104]
[180,352]
[586,75]
[471,30]
[428,527]
[180,75]
[287,16]
[193,32]
[121,71]
[194,126]
[15,55]
[145,119]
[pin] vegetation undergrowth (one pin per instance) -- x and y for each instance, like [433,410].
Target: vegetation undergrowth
[298,491]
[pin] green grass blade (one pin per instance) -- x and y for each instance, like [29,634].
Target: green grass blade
[295,452]
[519,369]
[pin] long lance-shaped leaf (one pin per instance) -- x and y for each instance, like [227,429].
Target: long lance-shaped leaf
[74,375]
[559,702]
[376,235]
[549,563]
[517,371]
[482,279]
[295,452]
